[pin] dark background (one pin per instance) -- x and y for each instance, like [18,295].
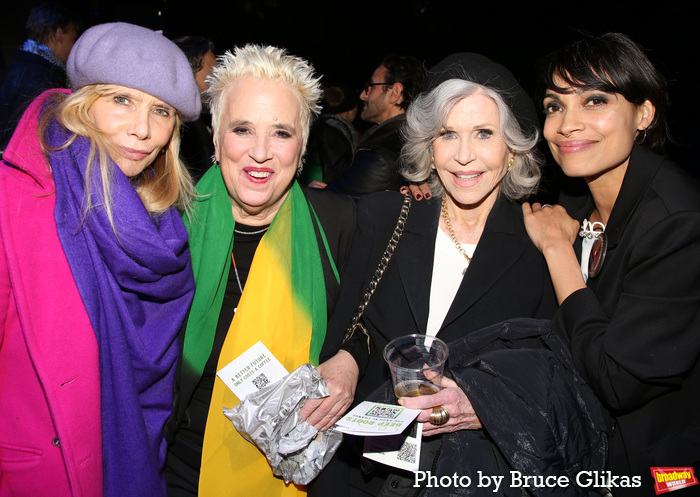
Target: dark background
[347,39]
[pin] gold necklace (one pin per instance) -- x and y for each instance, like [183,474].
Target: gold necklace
[461,250]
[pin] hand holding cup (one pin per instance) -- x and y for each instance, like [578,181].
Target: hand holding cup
[417,364]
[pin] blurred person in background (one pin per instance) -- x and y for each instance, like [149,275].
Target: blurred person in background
[39,65]
[196,143]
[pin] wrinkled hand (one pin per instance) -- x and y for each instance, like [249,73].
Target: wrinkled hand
[317,184]
[549,226]
[341,373]
[418,190]
[454,400]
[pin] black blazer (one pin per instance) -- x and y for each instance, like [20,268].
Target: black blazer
[507,278]
[634,332]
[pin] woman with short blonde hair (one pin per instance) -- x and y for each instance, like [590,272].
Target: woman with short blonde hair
[265,63]
[265,253]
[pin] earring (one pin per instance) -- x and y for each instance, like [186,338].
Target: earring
[511,161]
[432,161]
[643,134]
[215,162]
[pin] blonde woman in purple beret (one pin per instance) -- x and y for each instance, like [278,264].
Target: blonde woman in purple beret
[95,273]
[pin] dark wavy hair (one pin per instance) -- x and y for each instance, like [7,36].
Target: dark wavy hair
[408,71]
[195,48]
[612,63]
[47,17]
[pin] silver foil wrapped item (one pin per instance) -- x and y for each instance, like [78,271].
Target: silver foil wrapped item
[270,419]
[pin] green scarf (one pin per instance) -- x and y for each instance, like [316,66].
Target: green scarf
[290,244]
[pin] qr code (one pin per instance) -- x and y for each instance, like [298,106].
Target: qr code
[261,381]
[384,412]
[407,452]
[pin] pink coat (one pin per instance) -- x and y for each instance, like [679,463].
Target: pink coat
[50,429]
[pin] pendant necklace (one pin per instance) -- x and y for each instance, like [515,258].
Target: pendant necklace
[446,218]
[235,270]
[233,259]
[596,232]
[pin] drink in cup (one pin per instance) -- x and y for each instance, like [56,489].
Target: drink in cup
[417,363]
[415,389]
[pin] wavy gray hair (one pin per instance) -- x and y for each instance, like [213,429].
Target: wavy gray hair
[427,116]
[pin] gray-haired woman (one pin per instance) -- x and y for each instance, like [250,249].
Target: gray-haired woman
[464,261]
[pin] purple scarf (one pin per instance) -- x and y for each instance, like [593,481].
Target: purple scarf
[136,288]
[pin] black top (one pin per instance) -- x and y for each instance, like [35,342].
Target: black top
[26,77]
[373,167]
[634,332]
[185,429]
[186,448]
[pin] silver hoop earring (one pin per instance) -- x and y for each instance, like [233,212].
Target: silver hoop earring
[643,134]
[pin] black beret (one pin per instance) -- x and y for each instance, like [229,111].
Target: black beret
[482,70]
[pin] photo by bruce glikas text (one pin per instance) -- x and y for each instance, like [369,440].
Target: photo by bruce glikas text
[516,479]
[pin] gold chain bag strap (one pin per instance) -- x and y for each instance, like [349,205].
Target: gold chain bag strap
[356,324]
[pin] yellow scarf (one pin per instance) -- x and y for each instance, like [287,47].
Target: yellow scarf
[284,306]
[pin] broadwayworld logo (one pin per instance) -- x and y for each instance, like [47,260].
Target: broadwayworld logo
[669,479]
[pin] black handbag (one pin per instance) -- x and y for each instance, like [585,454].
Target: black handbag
[356,323]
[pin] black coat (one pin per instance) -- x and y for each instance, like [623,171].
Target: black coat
[545,423]
[333,140]
[26,77]
[197,145]
[634,332]
[373,167]
[506,279]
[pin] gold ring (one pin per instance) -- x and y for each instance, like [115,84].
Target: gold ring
[439,416]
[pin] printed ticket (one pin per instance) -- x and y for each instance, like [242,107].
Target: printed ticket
[252,370]
[376,419]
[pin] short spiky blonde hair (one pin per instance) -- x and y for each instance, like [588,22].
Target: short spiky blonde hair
[266,63]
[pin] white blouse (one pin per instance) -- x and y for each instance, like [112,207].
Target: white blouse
[447,276]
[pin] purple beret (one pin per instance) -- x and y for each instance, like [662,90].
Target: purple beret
[124,54]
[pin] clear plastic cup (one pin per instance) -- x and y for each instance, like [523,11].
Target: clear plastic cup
[417,364]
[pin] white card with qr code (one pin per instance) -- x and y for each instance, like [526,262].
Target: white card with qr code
[252,370]
[376,419]
[400,451]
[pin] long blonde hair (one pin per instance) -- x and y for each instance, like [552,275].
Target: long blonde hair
[165,183]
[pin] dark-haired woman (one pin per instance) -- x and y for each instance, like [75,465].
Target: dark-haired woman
[629,308]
